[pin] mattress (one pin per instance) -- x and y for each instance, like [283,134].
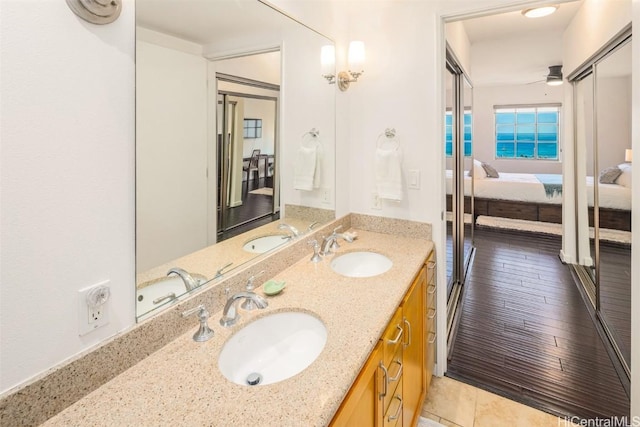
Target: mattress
[525,187]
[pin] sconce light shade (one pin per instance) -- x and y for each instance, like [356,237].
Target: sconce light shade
[328,60]
[628,155]
[356,58]
[344,78]
[555,75]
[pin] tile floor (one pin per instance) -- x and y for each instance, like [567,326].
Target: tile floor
[456,404]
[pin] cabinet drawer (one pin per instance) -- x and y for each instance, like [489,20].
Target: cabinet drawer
[393,337]
[431,321]
[391,378]
[393,415]
[431,295]
[431,358]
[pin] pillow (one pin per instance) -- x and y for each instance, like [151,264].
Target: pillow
[477,171]
[490,170]
[625,177]
[609,175]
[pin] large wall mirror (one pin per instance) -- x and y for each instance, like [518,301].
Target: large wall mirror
[229,102]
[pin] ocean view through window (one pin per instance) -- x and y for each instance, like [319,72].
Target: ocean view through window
[449,134]
[527,132]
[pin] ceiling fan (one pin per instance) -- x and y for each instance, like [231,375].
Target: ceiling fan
[554,78]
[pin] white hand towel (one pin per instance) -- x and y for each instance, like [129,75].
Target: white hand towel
[388,173]
[305,168]
[317,175]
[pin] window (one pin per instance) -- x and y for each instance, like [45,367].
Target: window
[253,128]
[448,121]
[527,132]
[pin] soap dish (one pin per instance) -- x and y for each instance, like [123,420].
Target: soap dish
[272,287]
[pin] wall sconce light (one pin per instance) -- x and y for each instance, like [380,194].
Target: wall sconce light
[356,65]
[628,155]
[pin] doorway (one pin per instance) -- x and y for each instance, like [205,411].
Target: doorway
[247,146]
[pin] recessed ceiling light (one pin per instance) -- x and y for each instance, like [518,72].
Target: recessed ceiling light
[539,12]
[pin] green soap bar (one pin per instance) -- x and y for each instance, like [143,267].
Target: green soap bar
[272,287]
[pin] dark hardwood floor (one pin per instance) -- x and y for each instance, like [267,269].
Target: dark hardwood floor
[256,210]
[615,293]
[526,333]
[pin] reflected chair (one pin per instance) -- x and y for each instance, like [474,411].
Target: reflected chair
[252,165]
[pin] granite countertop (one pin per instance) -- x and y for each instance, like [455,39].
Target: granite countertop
[230,250]
[181,384]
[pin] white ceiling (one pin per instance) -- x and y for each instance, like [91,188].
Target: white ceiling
[510,49]
[205,21]
[515,24]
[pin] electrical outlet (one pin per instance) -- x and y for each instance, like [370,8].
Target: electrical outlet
[93,307]
[375,201]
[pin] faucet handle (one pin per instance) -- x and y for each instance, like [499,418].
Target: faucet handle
[337,228]
[316,250]
[204,332]
[313,224]
[250,286]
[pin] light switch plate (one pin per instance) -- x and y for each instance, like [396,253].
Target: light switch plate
[414,179]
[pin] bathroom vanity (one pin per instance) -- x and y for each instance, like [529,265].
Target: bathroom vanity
[373,325]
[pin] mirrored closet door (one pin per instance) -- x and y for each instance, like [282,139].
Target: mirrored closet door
[602,128]
[459,184]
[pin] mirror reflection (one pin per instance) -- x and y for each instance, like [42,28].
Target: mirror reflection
[222,114]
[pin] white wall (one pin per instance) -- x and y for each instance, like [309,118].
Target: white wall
[67,173]
[484,98]
[458,41]
[171,147]
[614,120]
[264,110]
[595,23]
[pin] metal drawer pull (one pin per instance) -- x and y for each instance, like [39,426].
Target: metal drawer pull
[397,338]
[399,411]
[386,381]
[432,340]
[431,289]
[406,322]
[399,374]
[431,316]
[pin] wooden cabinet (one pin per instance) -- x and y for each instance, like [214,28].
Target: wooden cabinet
[392,385]
[360,406]
[414,320]
[431,319]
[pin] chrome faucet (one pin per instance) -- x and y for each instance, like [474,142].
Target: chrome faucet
[291,228]
[330,243]
[230,313]
[248,304]
[189,282]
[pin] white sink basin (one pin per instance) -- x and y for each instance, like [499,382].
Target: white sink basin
[264,244]
[160,291]
[272,348]
[361,264]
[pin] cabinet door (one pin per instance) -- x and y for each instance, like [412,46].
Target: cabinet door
[360,407]
[414,377]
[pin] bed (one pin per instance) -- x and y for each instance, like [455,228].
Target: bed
[538,197]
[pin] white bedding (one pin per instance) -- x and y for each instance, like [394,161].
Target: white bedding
[525,187]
